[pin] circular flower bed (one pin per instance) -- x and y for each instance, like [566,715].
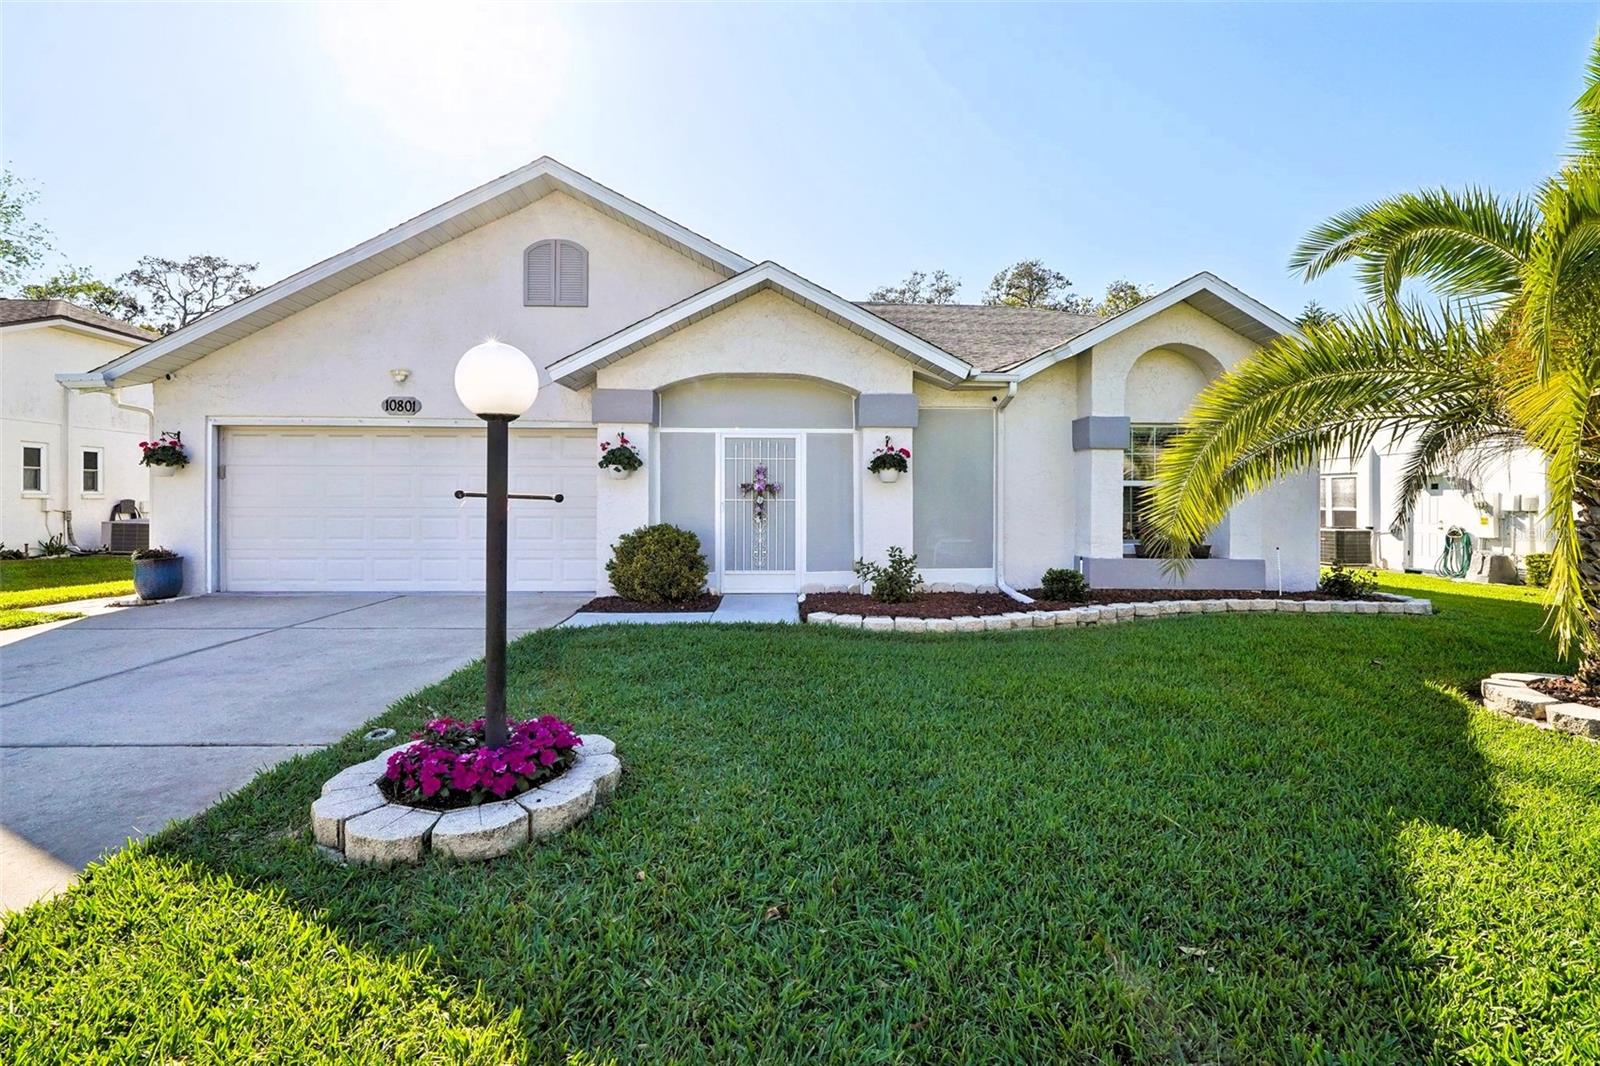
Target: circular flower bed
[445,792]
[449,766]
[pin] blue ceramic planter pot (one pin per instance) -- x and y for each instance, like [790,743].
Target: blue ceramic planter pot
[157,579]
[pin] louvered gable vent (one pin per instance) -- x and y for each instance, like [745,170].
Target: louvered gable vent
[556,274]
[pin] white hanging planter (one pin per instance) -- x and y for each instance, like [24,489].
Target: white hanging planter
[163,471]
[618,473]
[889,476]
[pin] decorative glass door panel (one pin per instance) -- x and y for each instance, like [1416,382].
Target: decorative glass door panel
[760,511]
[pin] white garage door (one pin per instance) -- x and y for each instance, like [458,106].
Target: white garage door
[310,509]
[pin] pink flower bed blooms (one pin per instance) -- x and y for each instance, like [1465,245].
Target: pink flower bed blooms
[449,766]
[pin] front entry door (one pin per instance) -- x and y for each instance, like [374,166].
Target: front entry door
[761,520]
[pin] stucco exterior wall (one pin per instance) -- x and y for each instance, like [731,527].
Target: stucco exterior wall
[765,333]
[35,408]
[1139,374]
[333,359]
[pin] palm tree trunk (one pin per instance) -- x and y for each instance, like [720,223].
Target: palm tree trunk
[1588,521]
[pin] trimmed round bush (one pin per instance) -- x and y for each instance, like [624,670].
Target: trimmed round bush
[657,564]
[1064,586]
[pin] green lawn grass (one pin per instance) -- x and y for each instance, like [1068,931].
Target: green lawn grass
[1216,838]
[10,619]
[41,582]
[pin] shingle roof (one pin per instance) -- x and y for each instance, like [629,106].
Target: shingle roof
[990,338]
[19,312]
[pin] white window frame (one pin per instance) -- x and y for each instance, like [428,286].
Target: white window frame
[1131,547]
[99,472]
[1325,507]
[44,468]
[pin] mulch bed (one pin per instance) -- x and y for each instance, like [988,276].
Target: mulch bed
[618,605]
[957,604]
[1567,689]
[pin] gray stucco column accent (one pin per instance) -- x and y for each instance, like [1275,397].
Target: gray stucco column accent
[625,405]
[886,410]
[1100,431]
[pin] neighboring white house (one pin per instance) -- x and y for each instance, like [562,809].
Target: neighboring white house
[69,456]
[327,438]
[1496,496]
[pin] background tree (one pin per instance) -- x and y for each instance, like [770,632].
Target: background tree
[1031,284]
[1314,314]
[24,242]
[84,289]
[1510,356]
[919,288]
[177,292]
[1120,296]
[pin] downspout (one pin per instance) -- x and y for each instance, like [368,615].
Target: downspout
[1000,495]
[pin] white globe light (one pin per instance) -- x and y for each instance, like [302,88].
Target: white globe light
[495,379]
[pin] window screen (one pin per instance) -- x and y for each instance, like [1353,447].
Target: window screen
[952,502]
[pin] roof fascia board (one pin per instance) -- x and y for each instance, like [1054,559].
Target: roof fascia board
[72,325]
[573,370]
[428,220]
[1202,282]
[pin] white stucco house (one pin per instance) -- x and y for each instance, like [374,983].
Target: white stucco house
[70,456]
[327,438]
[1497,496]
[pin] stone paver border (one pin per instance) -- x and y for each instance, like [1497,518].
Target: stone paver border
[354,822]
[1107,613]
[1511,695]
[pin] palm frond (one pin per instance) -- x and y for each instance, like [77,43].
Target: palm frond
[1559,319]
[1332,389]
[1456,447]
[1553,409]
[1469,246]
[1586,111]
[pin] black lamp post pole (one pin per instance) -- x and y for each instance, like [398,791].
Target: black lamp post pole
[494,583]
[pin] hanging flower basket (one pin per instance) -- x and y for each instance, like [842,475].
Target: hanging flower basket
[165,455]
[620,459]
[889,462]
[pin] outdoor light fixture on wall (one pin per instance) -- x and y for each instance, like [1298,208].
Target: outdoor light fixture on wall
[498,383]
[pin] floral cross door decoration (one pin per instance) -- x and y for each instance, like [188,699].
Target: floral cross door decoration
[759,489]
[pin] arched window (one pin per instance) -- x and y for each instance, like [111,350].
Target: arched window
[555,273]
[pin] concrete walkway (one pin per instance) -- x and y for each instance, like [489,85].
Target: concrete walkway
[737,607]
[113,725]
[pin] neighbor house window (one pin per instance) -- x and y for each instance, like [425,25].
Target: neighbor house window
[555,274]
[33,468]
[92,471]
[1339,502]
[1145,442]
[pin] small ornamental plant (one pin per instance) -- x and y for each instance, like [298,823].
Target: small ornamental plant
[166,450]
[1347,584]
[449,766]
[621,455]
[889,457]
[897,582]
[1064,585]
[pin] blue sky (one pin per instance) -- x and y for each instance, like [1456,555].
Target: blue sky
[850,143]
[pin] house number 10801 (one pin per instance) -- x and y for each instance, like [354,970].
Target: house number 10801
[401,405]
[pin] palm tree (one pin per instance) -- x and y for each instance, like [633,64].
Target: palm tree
[1508,354]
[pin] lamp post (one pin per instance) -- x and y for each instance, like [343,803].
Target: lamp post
[497,383]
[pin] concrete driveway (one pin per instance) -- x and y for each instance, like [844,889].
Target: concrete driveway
[114,725]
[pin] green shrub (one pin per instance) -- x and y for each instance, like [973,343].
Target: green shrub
[1064,586]
[657,564]
[897,582]
[1538,565]
[1347,584]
